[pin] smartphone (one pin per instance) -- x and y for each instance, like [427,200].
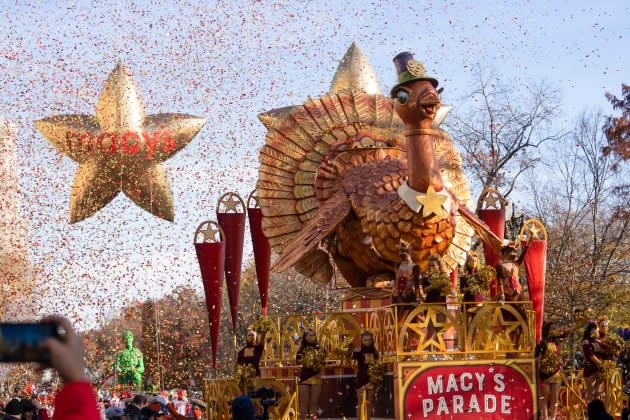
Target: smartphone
[22,342]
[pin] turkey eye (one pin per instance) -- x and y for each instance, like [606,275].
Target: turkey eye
[402,97]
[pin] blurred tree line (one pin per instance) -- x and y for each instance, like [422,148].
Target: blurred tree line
[173,332]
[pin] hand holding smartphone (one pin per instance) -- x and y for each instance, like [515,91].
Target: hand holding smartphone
[23,342]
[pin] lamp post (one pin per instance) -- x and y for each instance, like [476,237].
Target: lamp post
[514,224]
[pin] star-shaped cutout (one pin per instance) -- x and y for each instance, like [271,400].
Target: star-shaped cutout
[491,200]
[120,149]
[209,231]
[440,321]
[231,202]
[534,230]
[431,202]
[493,332]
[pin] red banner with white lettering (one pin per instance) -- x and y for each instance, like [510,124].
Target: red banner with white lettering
[535,265]
[211,257]
[262,255]
[469,392]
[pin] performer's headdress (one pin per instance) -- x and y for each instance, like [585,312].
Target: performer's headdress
[510,246]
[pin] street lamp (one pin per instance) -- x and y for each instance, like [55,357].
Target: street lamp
[514,224]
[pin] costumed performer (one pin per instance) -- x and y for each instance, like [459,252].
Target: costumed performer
[407,277]
[547,354]
[510,288]
[593,358]
[509,283]
[312,358]
[365,356]
[251,353]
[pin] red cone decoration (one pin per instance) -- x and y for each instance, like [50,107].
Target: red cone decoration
[536,266]
[231,218]
[262,250]
[210,248]
[491,209]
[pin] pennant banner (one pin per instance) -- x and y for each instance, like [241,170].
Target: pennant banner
[262,250]
[536,266]
[231,218]
[210,248]
[491,209]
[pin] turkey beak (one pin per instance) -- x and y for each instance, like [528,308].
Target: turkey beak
[429,103]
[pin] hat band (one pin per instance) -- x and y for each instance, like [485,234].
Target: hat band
[404,76]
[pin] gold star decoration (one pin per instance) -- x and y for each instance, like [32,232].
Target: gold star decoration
[491,200]
[434,319]
[431,202]
[209,231]
[495,331]
[533,229]
[231,201]
[120,149]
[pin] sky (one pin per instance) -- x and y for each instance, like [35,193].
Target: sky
[228,62]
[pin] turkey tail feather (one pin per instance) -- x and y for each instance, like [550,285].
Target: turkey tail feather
[328,217]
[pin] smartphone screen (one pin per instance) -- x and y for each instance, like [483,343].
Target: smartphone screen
[22,342]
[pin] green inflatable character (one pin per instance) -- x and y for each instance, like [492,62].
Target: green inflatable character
[130,363]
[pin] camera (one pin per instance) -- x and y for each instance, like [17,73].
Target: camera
[22,342]
[268,397]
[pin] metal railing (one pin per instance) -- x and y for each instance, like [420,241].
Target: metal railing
[458,330]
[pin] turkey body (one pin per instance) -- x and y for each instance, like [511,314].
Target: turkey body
[369,236]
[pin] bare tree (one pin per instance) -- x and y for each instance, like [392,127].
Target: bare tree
[502,130]
[588,264]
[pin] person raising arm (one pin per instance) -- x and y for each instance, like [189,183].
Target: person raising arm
[76,400]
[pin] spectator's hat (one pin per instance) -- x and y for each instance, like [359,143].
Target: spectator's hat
[13,407]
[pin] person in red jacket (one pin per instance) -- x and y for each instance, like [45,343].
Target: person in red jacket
[77,399]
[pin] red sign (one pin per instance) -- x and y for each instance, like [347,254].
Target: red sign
[128,143]
[469,392]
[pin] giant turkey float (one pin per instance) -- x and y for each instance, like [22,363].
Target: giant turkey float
[369,188]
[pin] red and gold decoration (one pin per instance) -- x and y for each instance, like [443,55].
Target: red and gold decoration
[491,209]
[231,218]
[120,149]
[466,390]
[262,250]
[209,243]
[536,264]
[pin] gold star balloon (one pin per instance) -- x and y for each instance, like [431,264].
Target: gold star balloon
[120,149]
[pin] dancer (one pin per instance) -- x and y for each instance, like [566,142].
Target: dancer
[547,354]
[251,352]
[593,349]
[364,356]
[311,357]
